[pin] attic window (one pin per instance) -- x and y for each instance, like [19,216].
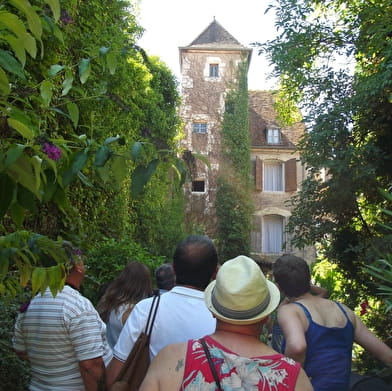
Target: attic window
[198,186]
[273,136]
[214,70]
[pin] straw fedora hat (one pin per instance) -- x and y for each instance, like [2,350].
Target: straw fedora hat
[241,294]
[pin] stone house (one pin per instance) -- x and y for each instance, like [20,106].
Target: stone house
[208,67]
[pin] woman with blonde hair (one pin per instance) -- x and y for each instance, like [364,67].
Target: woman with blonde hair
[132,285]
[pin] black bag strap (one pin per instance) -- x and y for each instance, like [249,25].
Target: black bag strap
[153,312]
[212,366]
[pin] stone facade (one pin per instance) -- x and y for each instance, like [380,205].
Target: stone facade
[209,66]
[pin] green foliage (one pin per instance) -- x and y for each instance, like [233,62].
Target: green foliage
[15,373]
[108,258]
[334,60]
[233,206]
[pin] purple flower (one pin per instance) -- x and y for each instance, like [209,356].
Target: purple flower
[52,151]
[65,18]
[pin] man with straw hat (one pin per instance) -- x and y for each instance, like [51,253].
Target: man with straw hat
[233,357]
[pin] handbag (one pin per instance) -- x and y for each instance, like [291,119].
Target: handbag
[135,367]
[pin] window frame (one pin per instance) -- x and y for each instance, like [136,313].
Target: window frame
[266,245]
[278,184]
[199,127]
[273,136]
[213,70]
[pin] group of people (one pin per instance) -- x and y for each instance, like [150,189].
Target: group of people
[206,334]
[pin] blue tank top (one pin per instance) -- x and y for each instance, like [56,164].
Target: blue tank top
[328,354]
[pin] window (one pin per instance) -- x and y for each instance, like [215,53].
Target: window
[273,176]
[198,186]
[199,127]
[273,136]
[214,70]
[272,234]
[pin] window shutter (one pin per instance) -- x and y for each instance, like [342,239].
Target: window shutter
[259,174]
[256,234]
[291,175]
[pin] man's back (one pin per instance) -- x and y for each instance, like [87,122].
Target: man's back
[182,315]
[57,333]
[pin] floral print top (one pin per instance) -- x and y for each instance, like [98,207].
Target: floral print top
[267,373]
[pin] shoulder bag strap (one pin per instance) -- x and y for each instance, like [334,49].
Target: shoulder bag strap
[153,312]
[212,366]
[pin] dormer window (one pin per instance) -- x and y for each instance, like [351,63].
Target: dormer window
[273,136]
[214,70]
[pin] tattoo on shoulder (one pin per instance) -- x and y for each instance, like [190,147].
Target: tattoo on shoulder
[180,364]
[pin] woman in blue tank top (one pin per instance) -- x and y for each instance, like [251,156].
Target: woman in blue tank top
[319,333]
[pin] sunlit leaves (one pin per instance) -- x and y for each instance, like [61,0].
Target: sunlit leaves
[84,68]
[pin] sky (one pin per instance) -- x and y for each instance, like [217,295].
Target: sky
[170,24]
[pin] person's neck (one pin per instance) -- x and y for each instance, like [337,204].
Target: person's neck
[297,298]
[247,331]
[190,287]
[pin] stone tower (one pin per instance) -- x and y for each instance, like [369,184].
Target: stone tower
[209,65]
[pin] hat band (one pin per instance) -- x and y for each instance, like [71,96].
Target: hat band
[238,314]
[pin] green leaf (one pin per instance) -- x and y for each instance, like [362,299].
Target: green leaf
[33,19]
[55,278]
[17,46]
[10,64]
[4,265]
[22,172]
[103,50]
[7,187]
[38,279]
[80,161]
[54,70]
[84,67]
[13,154]
[36,162]
[67,83]
[46,90]
[12,23]
[111,61]
[136,150]
[17,214]
[110,140]
[102,155]
[30,44]
[26,199]
[25,274]
[73,111]
[120,168]
[5,88]
[141,176]
[21,128]
[55,7]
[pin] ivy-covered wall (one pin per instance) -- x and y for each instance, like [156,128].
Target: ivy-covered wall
[233,201]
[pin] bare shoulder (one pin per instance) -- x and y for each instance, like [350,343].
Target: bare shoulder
[166,370]
[303,382]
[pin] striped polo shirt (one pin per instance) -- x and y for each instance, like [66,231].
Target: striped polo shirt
[57,333]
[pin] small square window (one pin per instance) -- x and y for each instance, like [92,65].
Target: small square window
[214,70]
[198,186]
[273,136]
[199,127]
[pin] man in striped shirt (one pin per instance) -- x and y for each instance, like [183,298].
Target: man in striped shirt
[63,338]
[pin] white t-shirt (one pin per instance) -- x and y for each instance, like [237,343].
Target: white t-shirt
[115,324]
[57,333]
[182,315]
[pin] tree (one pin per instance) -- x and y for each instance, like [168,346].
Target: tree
[334,59]
[76,95]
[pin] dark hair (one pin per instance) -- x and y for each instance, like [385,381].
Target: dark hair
[130,286]
[292,274]
[194,261]
[165,277]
